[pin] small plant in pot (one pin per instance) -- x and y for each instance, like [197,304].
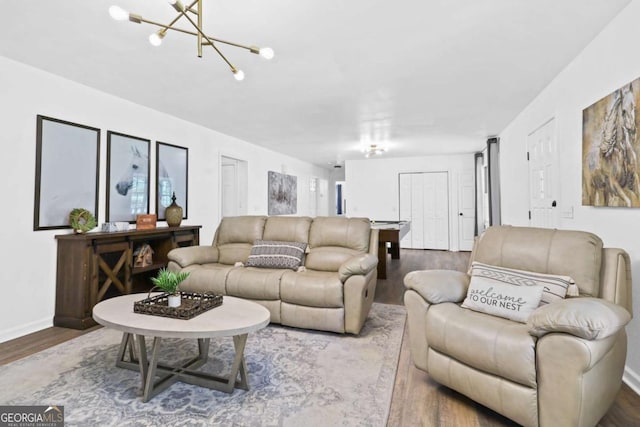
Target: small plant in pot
[169,282]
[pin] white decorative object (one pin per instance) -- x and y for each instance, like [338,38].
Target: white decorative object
[174,300]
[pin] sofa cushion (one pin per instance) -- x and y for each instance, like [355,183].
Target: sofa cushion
[206,278]
[555,286]
[240,229]
[508,301]
[287,228]
[312,288]
[254,283]
[490,344]
[577,254]
[351,233]
[232,253]
[235,236]
[328,258]
[276,254]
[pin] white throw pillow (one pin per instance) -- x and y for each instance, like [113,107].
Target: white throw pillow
[556,287]
[508,301]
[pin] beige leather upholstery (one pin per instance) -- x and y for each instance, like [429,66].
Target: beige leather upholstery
[287,229]
[333,293]
[564,367]
[235,237]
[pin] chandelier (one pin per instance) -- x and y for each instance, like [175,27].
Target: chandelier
[373,150]
[195,9]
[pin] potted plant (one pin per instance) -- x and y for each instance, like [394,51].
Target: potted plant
[169,281]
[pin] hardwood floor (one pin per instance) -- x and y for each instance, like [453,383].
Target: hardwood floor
[417,400]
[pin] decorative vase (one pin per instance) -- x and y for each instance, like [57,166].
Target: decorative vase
[174,300]
[173,213]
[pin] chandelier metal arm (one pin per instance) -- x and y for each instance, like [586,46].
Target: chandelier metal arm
[170,26]
[252,49]
[195,8]
[182,12]
[165,27]
[140,19]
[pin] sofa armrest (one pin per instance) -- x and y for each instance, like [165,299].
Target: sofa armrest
[438,286]
[193,255]
[357,265]
[584,317]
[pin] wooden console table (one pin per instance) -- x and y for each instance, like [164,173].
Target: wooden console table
[95,266]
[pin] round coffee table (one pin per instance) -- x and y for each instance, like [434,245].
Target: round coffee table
[235,318]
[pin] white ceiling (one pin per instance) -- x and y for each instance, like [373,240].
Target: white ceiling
[420,76]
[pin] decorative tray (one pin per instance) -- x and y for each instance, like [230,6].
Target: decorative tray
[191,305]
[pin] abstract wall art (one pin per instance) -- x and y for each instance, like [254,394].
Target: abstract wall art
[610,150]
[283,194]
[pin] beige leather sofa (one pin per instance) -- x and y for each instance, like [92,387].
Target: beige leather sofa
[333,293]
[564,366]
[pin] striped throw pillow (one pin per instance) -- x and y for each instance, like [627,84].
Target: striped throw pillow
[556,287]
[276,254]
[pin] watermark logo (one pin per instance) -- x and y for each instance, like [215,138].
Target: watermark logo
[31,416]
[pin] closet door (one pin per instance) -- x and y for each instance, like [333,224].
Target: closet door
[424,200]
[405,207]
[439,238]
[417,211]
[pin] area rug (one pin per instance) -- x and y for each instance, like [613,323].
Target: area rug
[296,377]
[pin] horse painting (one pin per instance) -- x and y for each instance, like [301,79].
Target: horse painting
[610,167]
[131,194]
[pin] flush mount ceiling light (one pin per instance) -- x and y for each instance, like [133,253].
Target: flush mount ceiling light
[195,9]
[373,150]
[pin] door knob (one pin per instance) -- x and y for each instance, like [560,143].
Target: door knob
[553,204]
[461,214]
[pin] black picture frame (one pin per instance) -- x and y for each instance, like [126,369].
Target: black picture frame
[128,174]
[172,175]
[66,173]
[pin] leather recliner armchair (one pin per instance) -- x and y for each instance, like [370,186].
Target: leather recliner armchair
[564,366]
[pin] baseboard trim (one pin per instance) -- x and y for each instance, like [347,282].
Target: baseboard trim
[632,379]
[26,329]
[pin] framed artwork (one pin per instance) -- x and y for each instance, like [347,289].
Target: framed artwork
[172,176]
[127,177]
[610,150]
[67,164]
[283,194]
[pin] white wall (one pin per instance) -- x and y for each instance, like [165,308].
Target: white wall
[372,188]
[28,270]
[607,63]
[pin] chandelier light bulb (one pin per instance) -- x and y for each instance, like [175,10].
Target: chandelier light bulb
[177,5]
[118,13]
[238,75]
[155,39]
[266,53]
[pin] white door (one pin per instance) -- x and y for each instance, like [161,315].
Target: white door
[323,202]
[313,197]
[466,210]
[405,207]
[234,186]
[424,200]
[543,185]
[436,210]
[417,211]
[229,190]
